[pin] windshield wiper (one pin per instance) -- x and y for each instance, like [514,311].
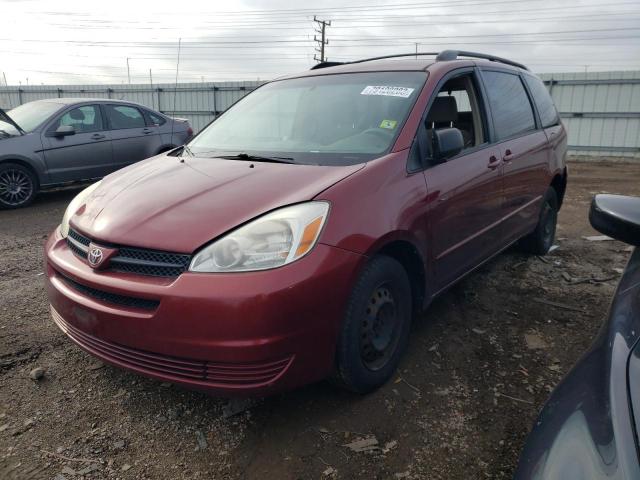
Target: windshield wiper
[256,158]
[187,150]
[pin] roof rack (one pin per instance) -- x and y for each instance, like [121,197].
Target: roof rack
[326,64]
[444,56]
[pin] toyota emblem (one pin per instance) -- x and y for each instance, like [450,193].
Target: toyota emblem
[95,256]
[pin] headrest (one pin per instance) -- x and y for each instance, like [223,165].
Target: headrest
[76,114]
[444,109]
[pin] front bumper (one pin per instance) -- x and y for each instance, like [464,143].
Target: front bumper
[250,333]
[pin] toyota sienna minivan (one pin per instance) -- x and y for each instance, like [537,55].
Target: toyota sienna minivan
[295,237]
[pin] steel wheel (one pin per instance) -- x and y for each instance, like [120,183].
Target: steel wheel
[379,332]
[375,330]
[16,187]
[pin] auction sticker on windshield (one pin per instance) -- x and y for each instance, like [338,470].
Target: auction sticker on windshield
[387,91]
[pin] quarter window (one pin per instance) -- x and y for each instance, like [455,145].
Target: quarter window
[83,119]
[156,119]
[122,116]
[542,99]
[510,105]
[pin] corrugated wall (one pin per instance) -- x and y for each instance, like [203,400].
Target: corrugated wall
[601,109]
[198,102]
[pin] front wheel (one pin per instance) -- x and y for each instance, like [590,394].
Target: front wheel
[18,185]
[540,240]
[376,326]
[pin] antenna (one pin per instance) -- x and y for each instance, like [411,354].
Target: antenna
[175,90]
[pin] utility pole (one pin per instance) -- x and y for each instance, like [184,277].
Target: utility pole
[5,79]
[151,84]
[128,74]
[323,38]
[416,50]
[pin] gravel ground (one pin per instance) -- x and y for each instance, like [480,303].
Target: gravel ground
[481,362]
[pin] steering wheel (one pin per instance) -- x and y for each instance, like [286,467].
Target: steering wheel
[383,134]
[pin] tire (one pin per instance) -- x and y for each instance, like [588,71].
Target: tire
[18,185]
[375,329]
[540,240]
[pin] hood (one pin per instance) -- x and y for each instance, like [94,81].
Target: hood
[6,118]
[164,204]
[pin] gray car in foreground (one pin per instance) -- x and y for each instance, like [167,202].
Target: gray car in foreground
[48,143]
[588,428]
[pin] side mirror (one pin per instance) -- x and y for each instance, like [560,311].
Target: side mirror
[65,130]
[617,216]
[446,143]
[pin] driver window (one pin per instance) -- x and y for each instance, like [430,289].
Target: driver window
[83,119]
[457,106]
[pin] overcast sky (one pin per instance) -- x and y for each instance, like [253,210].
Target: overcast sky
[89,41]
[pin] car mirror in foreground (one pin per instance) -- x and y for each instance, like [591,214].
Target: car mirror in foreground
[446,143]
[65,130]
[617,216]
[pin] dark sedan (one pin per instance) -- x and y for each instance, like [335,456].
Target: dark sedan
[53,142]
[588,427]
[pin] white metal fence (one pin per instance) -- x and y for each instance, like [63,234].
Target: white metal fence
[199,102]
[601,109]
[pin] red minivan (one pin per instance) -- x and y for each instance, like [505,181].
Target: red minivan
[294,238]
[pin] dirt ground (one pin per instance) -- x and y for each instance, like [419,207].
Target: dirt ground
[481,362]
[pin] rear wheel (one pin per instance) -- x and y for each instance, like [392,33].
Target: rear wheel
[18,185]
[540,240]
[375,330]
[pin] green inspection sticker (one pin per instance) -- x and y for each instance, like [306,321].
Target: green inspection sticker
[389,124]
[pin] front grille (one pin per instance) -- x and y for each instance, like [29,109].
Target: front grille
[79,244]
[214,374]
[140,261]
[108,297]
[79,237]
[150,262]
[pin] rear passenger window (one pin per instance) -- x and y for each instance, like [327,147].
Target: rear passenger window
[122,116]
[510,106]
[542,99]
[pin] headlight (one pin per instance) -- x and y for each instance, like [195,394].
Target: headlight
[270,241]
[73,207]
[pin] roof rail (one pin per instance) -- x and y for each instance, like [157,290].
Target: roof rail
[445,55]
[325,65]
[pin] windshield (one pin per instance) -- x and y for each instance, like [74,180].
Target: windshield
[327,119]
[29,116]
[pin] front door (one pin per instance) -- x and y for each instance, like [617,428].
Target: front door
[83,155]
[466,190]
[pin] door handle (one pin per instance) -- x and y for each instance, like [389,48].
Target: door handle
[97,136]
[147,130]
[493,162]
[508,156]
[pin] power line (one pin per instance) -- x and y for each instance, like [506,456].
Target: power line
[204,43]
[368,8]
